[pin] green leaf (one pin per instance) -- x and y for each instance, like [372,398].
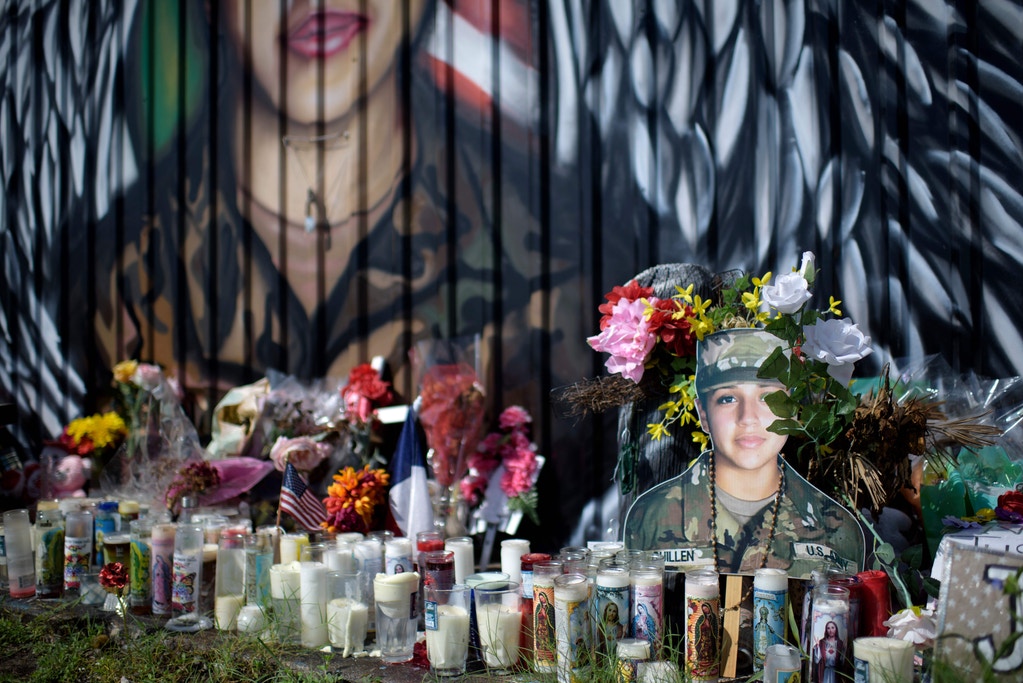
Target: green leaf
[786,427]
[775,367]
[913,556]
[886,554]
[782,405]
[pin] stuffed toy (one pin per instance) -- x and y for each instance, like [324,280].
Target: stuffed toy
[70,475]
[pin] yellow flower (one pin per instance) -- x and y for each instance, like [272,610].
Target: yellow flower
[699,305]
[702,439]
[833,306]
[762,281]
[751,300]
[686,294]
[656,430]
[984,515]
[125,370]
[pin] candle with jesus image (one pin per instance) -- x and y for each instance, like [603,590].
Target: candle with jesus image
[829,633]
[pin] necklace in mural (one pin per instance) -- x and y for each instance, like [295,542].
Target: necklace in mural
[770,532]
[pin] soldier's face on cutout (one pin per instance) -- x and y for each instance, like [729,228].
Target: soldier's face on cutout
[738,416]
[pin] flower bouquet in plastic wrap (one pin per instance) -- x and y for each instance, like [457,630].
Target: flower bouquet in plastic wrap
[451,414]
[162,458]
[978,450]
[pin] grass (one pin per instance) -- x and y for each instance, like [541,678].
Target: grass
[62,644]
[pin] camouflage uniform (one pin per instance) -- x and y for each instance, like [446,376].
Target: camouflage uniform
[812,529]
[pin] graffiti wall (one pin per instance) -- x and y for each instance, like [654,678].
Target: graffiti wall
[237,187]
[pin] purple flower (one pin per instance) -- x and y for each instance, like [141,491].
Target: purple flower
[1007,515]
[957,523]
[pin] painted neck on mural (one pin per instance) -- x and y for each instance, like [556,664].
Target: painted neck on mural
[274,181]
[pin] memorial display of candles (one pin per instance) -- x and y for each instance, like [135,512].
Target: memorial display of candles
[589,608]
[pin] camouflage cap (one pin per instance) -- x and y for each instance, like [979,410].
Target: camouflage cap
[732,356]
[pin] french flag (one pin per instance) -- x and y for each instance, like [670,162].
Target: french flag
[409,495]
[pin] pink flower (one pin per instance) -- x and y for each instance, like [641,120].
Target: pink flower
[627,338]
[514,417]
[472,488]
[364,392]
[516,481]
[148,376]
[302,452]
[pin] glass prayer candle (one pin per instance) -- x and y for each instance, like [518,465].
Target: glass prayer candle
[612,606]
[703,625]
[140,532]
[647,604]
[49,553]
[574,635]
[78,530]
[770,596]
[465,554]
[162,540]
[21,573]
[545,643]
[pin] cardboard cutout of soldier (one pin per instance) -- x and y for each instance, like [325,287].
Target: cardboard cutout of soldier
[740,501]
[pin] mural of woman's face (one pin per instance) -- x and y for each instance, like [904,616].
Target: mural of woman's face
[321,45]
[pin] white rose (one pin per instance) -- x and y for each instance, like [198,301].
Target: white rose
[787,293]
[915,624]
[808,268]
[837,342]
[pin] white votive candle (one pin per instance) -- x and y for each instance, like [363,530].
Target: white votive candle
[499,627]
[883,660]
[291,546]
[347,622]
[464,552]
[313,596]
[512,551]
[448,646]
[226,609]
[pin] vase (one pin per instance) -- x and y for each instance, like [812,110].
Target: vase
[450,512]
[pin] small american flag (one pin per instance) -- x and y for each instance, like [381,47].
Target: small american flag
[300,502]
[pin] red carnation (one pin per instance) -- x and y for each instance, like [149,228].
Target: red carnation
[630,292]
[675,333]
[114,577]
